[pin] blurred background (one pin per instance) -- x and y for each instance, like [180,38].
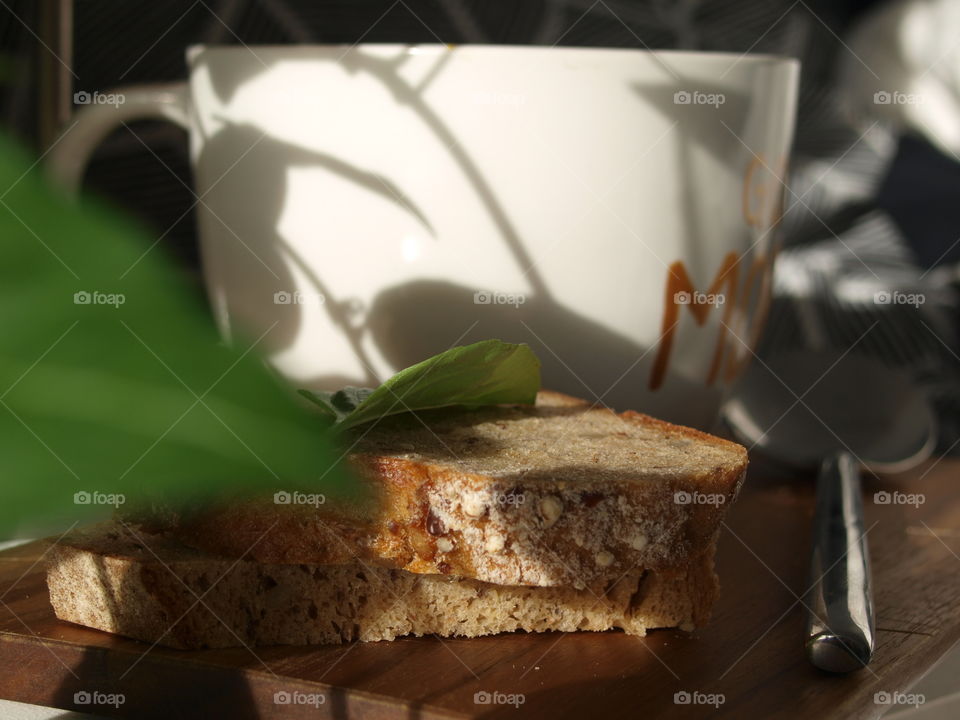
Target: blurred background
[874,204]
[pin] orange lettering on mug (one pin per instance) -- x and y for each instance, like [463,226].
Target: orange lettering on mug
[762,206]
[680,292]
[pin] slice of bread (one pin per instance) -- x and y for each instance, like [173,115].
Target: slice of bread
[557,494]
[152,588]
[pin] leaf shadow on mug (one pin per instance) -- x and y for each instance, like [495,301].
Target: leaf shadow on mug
[415,320]
[258,273]
[389,72]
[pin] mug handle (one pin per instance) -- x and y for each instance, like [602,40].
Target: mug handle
[69,155]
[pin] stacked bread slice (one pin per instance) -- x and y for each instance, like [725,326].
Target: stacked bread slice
[558,516]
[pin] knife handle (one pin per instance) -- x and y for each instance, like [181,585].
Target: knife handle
[839,603]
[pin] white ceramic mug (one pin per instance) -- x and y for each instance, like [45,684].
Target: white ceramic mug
[369,206]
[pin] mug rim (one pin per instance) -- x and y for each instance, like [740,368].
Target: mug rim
[482,48]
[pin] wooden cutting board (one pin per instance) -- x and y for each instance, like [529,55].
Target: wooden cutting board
[750,654]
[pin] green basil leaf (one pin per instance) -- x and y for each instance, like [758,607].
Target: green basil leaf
[490,372]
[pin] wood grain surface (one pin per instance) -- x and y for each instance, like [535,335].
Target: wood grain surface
[748,661]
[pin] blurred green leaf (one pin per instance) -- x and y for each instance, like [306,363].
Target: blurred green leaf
[113,378]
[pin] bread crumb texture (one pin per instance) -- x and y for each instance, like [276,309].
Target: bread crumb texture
[133,583]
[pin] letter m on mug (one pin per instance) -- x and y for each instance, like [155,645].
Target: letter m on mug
[723,292]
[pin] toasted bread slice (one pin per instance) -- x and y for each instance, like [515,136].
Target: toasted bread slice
[557,494]
[152,588]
